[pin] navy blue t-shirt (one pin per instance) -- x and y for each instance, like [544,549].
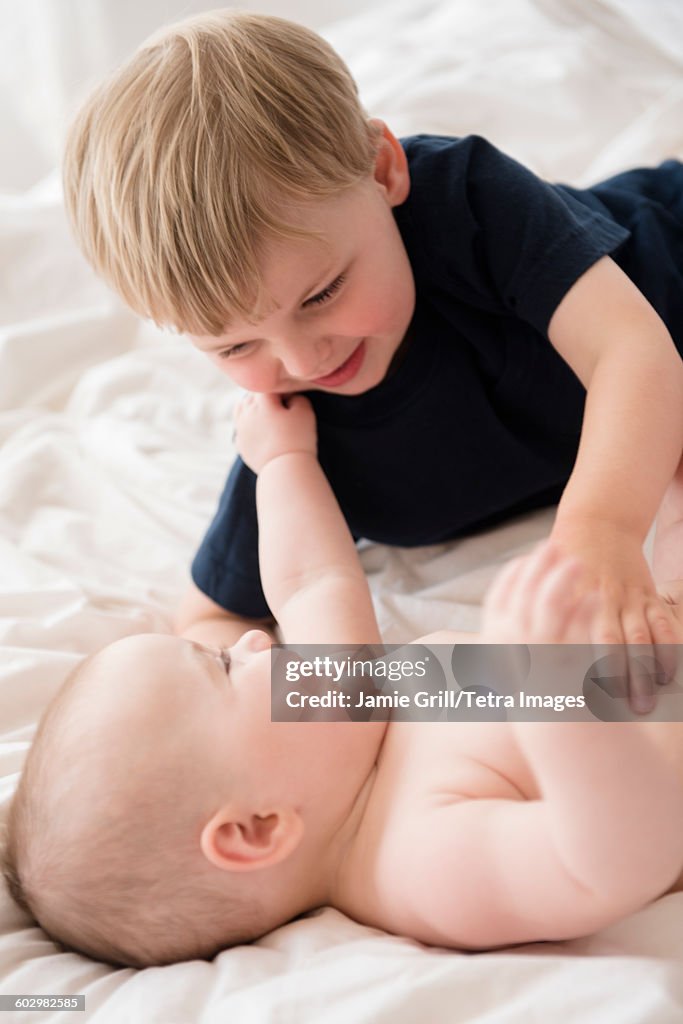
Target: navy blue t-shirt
[478,417]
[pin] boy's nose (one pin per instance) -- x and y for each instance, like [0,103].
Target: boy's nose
[304,359]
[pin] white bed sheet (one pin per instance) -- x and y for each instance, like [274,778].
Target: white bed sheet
[114,443]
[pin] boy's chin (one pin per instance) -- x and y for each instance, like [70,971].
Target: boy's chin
[350,390]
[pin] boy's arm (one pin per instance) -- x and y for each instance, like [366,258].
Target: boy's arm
[310,570]
[667,552]
[631,442]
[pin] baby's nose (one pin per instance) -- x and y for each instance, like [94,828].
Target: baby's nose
[253,641]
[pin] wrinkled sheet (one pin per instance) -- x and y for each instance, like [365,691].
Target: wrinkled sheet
[114,443]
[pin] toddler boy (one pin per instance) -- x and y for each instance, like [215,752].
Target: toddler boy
[475,342]
[162,816]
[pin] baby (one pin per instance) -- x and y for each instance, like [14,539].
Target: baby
[162,816]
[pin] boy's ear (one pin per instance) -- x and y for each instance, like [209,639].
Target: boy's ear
[235,840]
[391,165]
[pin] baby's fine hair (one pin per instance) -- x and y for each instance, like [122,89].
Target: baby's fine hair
[182,163]
[130,885]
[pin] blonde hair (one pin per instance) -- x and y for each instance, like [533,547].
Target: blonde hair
[179,167]
[128,885]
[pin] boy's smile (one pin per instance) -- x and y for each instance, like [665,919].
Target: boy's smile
[335,307]
[344,373]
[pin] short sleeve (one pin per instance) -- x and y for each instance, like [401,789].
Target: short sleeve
[496,235]
[226,565]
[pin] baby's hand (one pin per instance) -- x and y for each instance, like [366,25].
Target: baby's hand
[267,426]
[535,599]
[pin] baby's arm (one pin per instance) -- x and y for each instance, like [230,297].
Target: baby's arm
[604,839]
[605,836]
[310,571]
[201,619]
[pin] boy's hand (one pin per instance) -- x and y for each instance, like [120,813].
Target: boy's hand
[267,426]
[630,610]
[537,599]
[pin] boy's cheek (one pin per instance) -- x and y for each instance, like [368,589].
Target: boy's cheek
[248,383]
[250,378]
[376,315]
[247,374]
[389,306]
[253,380]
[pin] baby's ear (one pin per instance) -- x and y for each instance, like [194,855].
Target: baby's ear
[235,840]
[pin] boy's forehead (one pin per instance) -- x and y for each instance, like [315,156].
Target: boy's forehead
[291,267]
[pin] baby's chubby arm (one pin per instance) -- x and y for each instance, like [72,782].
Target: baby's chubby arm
[201,619]
[605,836]
[604,839]
[311,574]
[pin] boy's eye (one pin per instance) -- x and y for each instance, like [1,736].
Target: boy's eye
[326,293]
[235,350]
[315,300]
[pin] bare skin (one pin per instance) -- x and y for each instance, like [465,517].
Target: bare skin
[473,835]
[487,834]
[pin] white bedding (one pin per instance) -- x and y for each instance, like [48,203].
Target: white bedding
[114,444]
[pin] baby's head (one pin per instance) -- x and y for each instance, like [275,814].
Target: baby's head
[144,807]
[182,163]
